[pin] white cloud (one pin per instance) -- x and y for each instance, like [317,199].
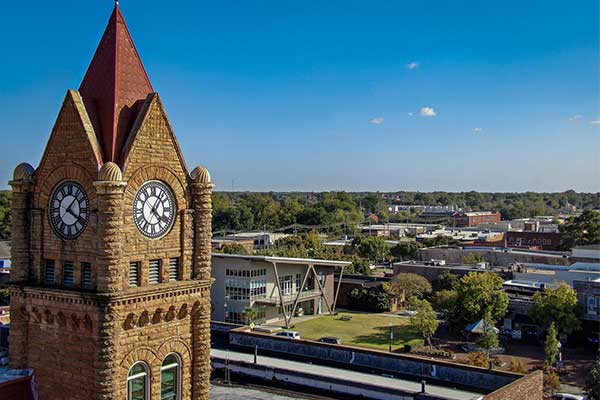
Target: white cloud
[575,117]
[595,122]
[411,114]
[427,112]
[477,130]
[376,121]
[413,65]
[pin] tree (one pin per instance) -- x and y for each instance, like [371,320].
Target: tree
[406,285]
[373,300]
[488,341]
[478,296]
[445,281]
[234,248]
[360,266]
[581,230]
[592,385]
[551,346]
[372,248]
[251,314]
[473,258]
[556,304]
[405,251]
[5,215]
[551,383]
[424,321]
[516,365]
[444,300]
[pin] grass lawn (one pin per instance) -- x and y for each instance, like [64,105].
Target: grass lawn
[364,330]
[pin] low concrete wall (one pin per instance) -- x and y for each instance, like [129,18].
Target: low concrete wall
[529,387]
[419,367]
[330,384]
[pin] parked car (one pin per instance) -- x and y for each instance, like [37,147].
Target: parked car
[288,334]
[330,340]
[408,313]
[567,396]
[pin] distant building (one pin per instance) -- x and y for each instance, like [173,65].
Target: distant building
[588,293]
[262,240]
[279,288]
[533,240]
[589,253]
[467,219]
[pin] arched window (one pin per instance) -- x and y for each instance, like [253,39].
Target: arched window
[170,378]
[137,382]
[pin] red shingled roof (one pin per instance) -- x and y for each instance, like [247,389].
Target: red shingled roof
[114,87]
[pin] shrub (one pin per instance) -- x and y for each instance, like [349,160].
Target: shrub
[517,366]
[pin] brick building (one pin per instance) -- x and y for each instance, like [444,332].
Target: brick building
[466,219]
[110,277]
[533,240]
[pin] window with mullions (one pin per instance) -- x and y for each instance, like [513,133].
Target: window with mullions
[137,382]
[170,373]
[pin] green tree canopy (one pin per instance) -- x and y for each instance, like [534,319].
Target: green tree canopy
[404,286]
[581,230]
[551,346]
[479,296]
[592,385]
[406,251]
[425,320]
[372,248]
[556,304]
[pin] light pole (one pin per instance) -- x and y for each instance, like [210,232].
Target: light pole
[391,337]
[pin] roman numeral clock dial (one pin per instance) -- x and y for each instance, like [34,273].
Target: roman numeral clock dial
[154,209]
[69,210]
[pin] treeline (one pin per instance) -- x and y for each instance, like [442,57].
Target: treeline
[511,205]
[341,211]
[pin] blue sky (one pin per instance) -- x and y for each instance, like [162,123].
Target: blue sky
[327,95]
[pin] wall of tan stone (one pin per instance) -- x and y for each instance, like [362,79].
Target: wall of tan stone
[90,338]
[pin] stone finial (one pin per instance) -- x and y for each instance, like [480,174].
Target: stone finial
[23,172]
[200,175]
[110,172]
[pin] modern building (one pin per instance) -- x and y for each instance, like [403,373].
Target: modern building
[467,219]
[588,293]
[589,253]
[533,240]
[278,288]
[110,275]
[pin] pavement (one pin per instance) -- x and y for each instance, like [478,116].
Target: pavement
[351,376]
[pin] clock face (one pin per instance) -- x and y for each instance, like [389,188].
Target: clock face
[69,210]
[154,209]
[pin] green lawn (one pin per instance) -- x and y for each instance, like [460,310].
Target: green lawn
[364,330]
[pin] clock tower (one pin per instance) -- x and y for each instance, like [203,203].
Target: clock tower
[110,278]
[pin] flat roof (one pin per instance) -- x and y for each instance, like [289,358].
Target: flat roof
[410,386]
[288,260]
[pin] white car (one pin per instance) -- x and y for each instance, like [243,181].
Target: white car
[288,334]
[567,396]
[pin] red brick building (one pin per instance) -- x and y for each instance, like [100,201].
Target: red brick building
[110,277]
[467,219]
[533,240]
